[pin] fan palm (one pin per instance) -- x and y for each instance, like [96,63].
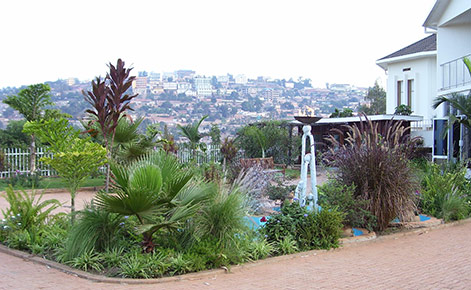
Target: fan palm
[157,190]
[129,143]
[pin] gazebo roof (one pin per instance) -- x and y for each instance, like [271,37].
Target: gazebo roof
[356,119]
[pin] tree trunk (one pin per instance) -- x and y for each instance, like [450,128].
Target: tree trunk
[32,156]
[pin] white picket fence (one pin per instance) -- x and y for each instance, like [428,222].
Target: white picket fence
[17,160]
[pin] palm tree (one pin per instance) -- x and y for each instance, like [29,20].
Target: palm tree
[191,132]
[129,144]
[257,134]
[157,190]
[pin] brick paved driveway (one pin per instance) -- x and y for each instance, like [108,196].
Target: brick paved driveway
[439,259]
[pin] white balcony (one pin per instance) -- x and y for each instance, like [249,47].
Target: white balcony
[455,76]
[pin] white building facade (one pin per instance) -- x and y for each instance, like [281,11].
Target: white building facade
[432,67]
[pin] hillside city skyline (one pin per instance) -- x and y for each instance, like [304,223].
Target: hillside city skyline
[183,96]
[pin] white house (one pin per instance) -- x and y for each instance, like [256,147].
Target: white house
[433,67]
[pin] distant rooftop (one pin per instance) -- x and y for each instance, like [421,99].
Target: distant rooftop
[429,43]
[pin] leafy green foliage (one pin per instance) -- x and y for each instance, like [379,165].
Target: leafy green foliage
[30,211]
[341,114]
[375,160]
[157,190]
[280,192]
[95,230]
[309,229]
[129,144]
[333,194]
[192,133]
[404,110]
[445,192]
[222,216]
[376,96]
[269,137]
[74,158]
[13,136]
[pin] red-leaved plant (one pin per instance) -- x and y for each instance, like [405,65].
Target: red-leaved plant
[110,101]
[375,159]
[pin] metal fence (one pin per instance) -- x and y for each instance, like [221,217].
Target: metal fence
[16,161]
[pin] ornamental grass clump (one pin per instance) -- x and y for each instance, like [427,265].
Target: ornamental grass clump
[376,160]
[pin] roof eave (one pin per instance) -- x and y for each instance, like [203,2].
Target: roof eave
[435,14]
[383,63]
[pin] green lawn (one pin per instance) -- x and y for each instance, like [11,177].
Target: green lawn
[56,182]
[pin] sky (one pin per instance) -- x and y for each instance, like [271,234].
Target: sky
[335,41]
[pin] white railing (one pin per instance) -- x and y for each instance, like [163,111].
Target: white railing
[211,154]
[455,74]
[423,125]
[16,160]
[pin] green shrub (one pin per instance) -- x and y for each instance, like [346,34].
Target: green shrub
[24,180]
[94,230]
[310,230]
[333,194]
[89,260]
[445,192]
[260,249]
[222,216]
[287,246]
[279,192]
[26,211]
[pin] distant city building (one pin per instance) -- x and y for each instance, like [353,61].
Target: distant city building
[139,86]
[240,79]
[71,81]
[170,86]
[183,88]
[185,74]
[169,76]
[203,86]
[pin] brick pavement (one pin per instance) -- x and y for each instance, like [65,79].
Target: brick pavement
[438,259]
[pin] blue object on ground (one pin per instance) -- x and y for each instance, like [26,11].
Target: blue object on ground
[396,220]
[277,208]
[357,232]
[423,218]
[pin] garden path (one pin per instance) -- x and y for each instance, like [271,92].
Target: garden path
[438,259]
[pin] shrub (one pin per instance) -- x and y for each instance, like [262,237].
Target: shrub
[28,211]
[340,196]
[222,216]
[445,192]
[310,230]
[279,192]
[96,230]
[375,160]
[24,180]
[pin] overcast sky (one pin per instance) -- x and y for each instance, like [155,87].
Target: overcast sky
[336,41]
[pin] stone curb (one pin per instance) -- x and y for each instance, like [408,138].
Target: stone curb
[60,190]
[214,272]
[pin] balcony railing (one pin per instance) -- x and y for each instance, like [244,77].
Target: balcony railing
[455,74]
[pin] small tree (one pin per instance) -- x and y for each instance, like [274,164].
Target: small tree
[215,134]
[74,158]
[377,98]
[31,102]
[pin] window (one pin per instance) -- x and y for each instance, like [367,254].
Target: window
[410,92]
[399,93]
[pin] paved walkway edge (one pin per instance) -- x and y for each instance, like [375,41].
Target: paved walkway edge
[199,275]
